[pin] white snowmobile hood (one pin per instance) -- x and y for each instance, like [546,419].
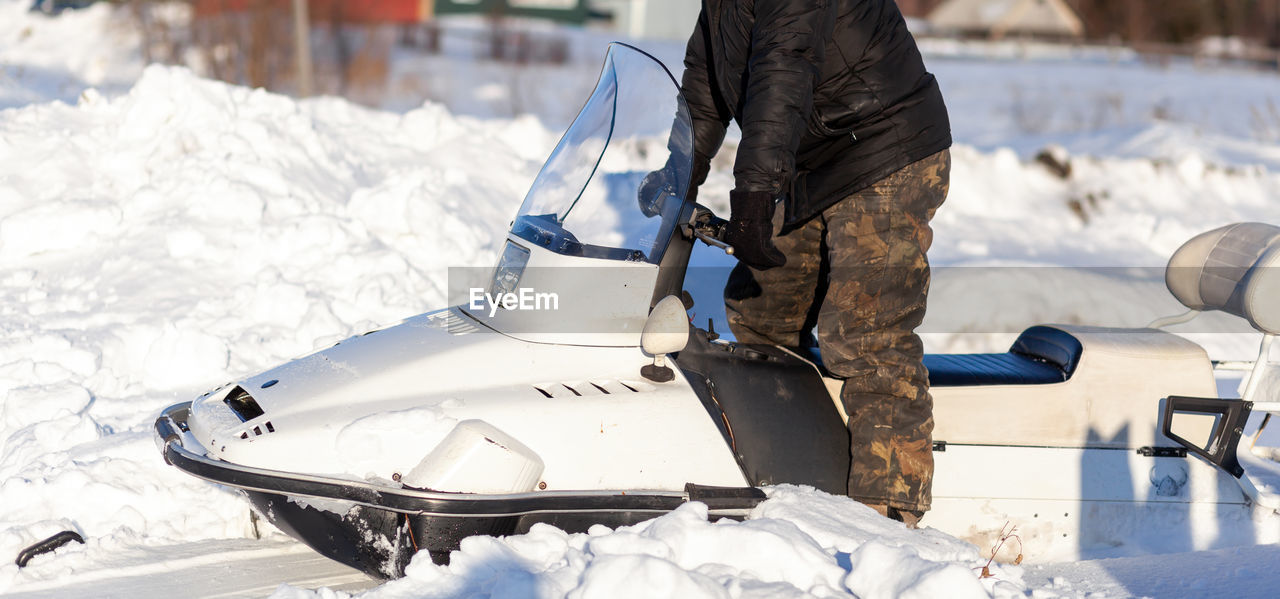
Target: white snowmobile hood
[374,405]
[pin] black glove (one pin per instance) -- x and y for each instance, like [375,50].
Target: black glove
[659,185]
[750,229]
[654,191]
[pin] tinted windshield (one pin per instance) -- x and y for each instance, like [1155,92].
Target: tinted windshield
[587,199]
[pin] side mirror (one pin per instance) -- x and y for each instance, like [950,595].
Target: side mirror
[666,331]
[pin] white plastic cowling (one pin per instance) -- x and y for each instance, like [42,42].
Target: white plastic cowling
[477,457]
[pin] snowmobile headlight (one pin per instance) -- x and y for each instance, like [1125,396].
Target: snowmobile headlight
[511,265]
[477,457]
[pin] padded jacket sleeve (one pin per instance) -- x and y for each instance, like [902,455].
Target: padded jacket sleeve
[788,39]
[706,108]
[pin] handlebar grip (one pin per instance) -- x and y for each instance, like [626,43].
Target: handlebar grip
[713,242]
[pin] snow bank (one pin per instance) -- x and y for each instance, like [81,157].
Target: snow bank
[157,244]
[799,543]
[1116,107]
[44,58]
[1023,242]
[1023,96]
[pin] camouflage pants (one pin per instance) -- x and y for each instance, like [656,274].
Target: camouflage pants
[858,272]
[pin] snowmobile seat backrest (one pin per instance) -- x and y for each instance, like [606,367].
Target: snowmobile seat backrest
[1051,346]
[1233,269]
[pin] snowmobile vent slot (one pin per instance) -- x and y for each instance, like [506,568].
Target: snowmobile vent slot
[582,389]
[554,390]
[457,325]
[243,404]
[257,430]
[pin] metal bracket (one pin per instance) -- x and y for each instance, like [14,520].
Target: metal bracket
[1226,432]
[1163,452]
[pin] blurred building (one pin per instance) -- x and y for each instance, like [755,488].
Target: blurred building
[410,11]
[917,8]
[573,12]
[385,11]
[997,19]
[661,19]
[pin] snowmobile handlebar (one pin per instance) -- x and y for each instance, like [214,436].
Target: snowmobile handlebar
[709,228]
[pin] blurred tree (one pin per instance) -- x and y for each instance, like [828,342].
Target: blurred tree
[1268,22]
[1180,21]
[1185,21]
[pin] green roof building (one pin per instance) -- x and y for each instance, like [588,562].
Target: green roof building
[573,12]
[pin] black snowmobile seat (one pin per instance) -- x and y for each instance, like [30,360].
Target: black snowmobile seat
[1041,355]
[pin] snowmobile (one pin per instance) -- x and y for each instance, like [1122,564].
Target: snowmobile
[598,402]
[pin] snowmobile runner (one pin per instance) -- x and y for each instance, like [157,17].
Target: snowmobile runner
[609,408]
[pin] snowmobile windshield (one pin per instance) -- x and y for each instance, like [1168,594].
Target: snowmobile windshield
[614,186]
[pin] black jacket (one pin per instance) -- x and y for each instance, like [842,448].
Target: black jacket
[831,96]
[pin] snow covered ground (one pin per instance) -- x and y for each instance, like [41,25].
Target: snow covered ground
[43,59]
[161,234]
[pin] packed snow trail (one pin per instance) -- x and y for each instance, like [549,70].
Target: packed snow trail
[214,568]
[1234,573]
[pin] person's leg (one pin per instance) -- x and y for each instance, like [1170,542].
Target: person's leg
[772,306]
[877,240]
